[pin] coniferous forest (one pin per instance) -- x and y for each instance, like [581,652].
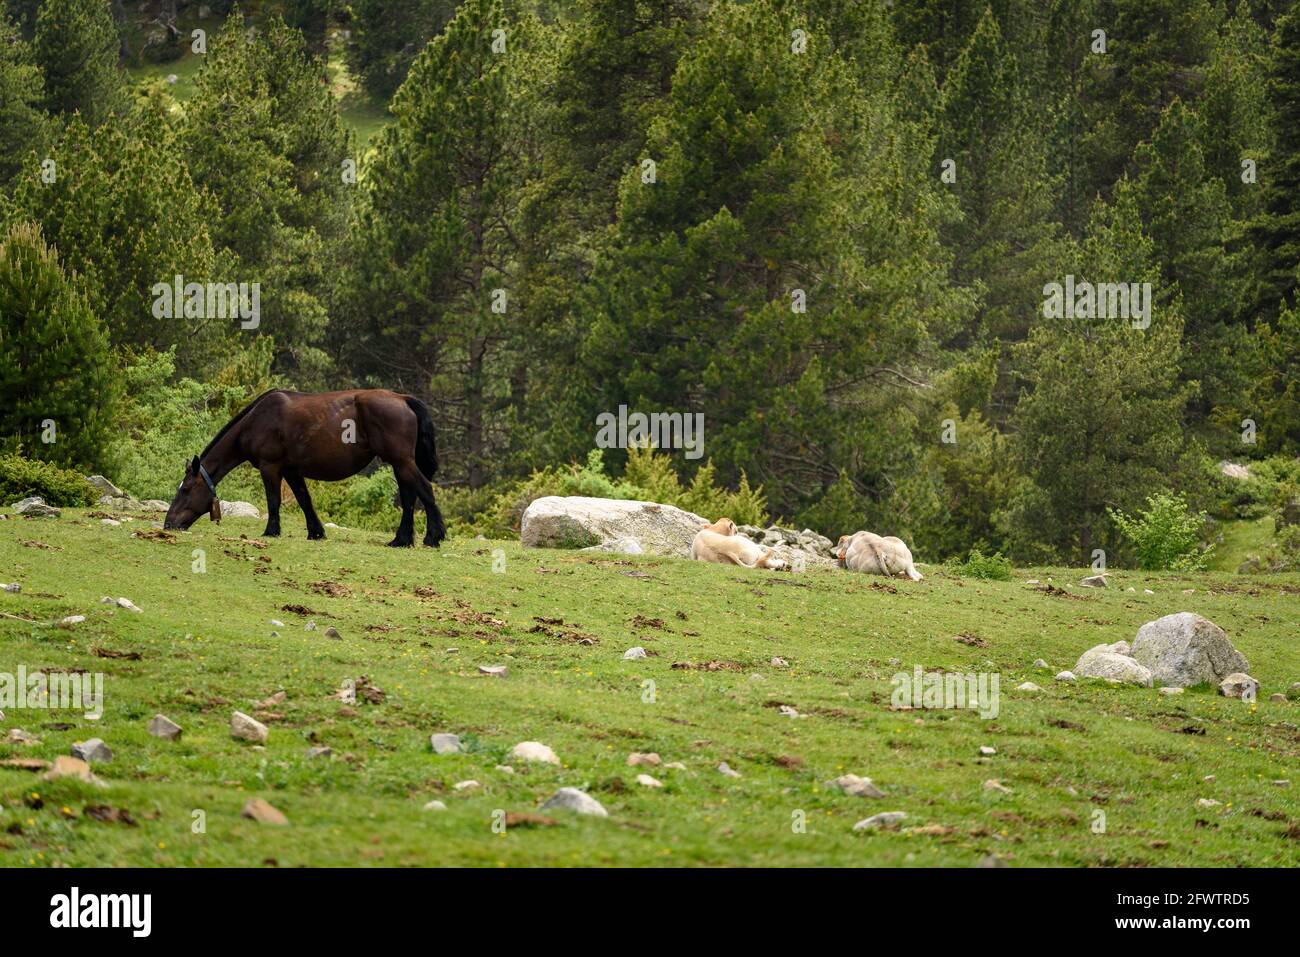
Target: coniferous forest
[1003,277]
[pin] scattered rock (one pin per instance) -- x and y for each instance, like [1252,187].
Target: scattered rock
[261,811]
[993,784]
[634,654]
[987,751]
[1112,662]
[1171,690]
[1239,685]
[311,626]
[465,785]
[70,767]
[1185,649]
[1278,698]
[19,736]
[674,766]
[105,487]
[650,759]
[647,781]
[883,819]
[445,743]
[1206,802]
[780,663]
[110,522]
[1094,581]
[1040,663]
[555,521]
[247,729]
[1028,686]
[857,787]
[276,624]
[320,751]
[624,545]
[330,632]
[494,671]
[435,806]
[505,769]
[93,751]
[72,620]
[725,768]
[1066,676]
[239,510]
[571,799]
[534,752]
[35,507]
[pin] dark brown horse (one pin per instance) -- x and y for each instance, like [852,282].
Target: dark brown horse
[327,436]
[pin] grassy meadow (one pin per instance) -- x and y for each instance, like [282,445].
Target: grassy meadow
[419,623]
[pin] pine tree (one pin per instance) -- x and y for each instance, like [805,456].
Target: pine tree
[263,136]
[76,46]
[436,243]
[55,365]
[1274,235]
[387,35]
[125,216]
[23,128]
[767,268]
[1101,423]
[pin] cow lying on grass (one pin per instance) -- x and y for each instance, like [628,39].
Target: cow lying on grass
[873,554]
[720,543]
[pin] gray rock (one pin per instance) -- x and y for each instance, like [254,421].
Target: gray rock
[104,486]
[987,751]
[494,671]
[571,799]
[1066,676]
[321,751]
[333,633]
[239,510]
[1239,685]
[247,729]
[556,521]
[155,505]
[1185,649]
[634,654]
[1168,691]
[1028,686]
[13,588]
[445,743]
[92,751]
[856,786]
[626,545]
[725,769]
[535,752]
[164,727]
[883,819]
[1040,663]
[1113,664]
[435,806]
[1094,581]
[1278,698]
[35,507]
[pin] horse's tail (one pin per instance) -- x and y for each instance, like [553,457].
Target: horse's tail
[426,451]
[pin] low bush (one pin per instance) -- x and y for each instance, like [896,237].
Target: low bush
[978,565]
[21,477]
[1165,535]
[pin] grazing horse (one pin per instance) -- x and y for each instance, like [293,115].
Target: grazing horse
[326,436]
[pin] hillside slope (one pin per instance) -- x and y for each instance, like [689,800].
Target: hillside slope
[561,622]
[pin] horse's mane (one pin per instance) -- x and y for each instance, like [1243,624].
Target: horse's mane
[229,425]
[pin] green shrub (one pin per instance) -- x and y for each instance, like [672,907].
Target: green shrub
[363,501]
[978,565]
[20,478]
[1166,535]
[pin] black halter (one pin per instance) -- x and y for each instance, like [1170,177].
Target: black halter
[203,473]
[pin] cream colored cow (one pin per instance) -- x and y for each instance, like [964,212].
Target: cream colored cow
[874,554]
[720,543]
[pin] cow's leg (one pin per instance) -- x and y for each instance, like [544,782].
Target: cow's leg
[271,482]
[298,485]
[405,536]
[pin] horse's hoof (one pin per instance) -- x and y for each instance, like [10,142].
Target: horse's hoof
[315,536]
[398,543]
[432,542]
[271,533]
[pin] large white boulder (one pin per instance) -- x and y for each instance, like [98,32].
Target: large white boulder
[1185,649]
[556,521]
[1112,663]
[239,510]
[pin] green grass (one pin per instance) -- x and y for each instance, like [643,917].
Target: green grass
[206,649]
[1241,540]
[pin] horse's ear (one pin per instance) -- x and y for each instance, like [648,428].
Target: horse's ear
[192,466]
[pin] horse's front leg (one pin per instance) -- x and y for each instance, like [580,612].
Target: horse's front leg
[271,482]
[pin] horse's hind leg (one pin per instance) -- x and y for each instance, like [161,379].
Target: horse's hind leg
[405,536]
[296,482]
[271,483]
[410,477]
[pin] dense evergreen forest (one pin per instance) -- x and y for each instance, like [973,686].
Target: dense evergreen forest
[985,275]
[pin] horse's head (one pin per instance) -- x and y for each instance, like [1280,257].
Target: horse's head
[194,497]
